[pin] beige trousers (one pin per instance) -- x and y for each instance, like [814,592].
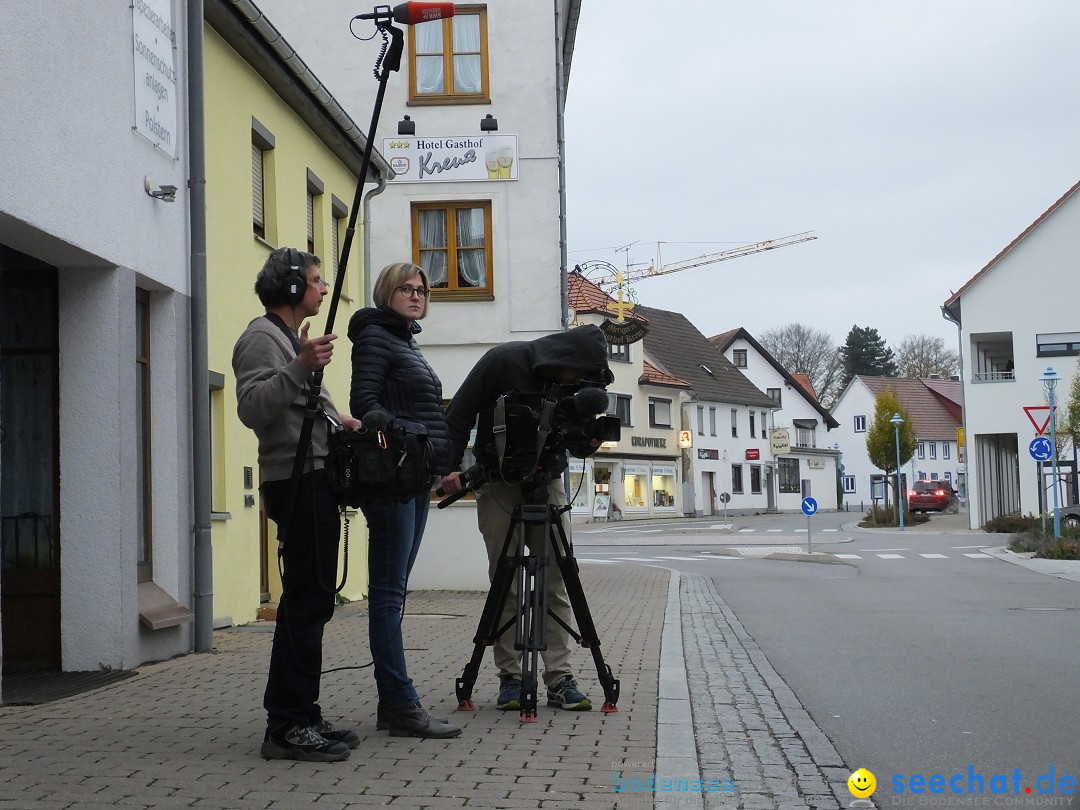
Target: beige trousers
[495,504]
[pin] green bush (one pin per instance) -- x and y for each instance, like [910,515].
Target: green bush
[1011,524]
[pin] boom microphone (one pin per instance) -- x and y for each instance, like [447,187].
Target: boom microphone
[414,13]
[411,13]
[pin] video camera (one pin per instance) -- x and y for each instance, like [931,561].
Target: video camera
[532,433]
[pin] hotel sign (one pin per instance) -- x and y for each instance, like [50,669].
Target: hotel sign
[452,158]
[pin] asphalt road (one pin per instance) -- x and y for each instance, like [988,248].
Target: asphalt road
[915,653]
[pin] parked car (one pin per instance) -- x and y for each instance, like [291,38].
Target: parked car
[933,496]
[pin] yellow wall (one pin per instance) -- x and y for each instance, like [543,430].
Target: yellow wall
[234,94]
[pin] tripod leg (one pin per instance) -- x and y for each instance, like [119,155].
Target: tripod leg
[531,632]
[488,628]
[564,558]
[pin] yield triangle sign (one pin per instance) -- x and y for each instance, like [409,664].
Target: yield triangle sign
[1035,414]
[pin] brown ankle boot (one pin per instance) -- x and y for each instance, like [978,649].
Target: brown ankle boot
[414,721]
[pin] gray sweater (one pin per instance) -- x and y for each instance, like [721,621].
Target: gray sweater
[271,392]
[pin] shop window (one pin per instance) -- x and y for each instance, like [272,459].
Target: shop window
[663,487]
[636,487]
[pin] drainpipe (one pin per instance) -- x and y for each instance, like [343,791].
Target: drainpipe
[200,378]
[560,148]
[369,284]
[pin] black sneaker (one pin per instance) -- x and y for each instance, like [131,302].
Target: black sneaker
[303,743]
[345,735]
[566,695]
[509,694]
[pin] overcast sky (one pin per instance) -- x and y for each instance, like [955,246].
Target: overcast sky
[915,138]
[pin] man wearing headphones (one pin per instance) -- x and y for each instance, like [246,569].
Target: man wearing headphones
[273,361]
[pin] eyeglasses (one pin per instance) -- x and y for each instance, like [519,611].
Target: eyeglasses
[408,292]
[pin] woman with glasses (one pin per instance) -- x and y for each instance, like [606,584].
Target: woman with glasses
[391,376]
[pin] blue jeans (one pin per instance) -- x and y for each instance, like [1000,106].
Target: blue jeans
[394,534]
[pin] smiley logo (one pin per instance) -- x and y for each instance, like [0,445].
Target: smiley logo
[861,783]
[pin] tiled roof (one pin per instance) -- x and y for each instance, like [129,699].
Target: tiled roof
[684,352]
[584,296]
[657,376]
[930,417]
[950,392]
[803,379]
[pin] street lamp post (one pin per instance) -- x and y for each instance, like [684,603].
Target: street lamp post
[1050,380]
[897,421]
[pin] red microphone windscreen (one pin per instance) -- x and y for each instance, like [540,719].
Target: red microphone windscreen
[417,12]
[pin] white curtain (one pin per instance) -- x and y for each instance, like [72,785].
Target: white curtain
[429,69]
[472,269]
[467,43]
[433,246]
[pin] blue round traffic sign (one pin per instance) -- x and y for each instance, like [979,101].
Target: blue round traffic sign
[1041,449]
[809,507]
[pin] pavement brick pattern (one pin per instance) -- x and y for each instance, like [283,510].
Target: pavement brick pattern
[186,732]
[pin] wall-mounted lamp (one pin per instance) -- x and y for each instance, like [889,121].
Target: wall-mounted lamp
[406,126]
[489,123]
[165,192]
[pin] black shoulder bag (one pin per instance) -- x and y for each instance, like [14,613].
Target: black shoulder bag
[386,462]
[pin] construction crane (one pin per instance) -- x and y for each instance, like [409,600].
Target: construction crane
[611,278]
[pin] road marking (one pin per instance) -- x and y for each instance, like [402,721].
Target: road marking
[868,550]
[697,559]
[635,559]
[774,530]
[847,556]
[934,556]
[830,530]
[891,556]
[978,556]
[597,562]
[746,531]
[957,548]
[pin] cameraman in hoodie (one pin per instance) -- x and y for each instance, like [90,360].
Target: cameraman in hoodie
[526,367]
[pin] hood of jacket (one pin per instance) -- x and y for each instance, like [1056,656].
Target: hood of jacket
[583,348]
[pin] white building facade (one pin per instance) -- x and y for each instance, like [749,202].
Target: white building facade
[1017,316]
[803,460]
[96,481]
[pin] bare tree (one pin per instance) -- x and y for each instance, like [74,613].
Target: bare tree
[801,348]
[925,356]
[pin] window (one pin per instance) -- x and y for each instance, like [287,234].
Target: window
[755,479]
[763,424]
[314,213]
[805,437]
[620,353]
[948,477]
[449,58]
[143,426]
[933,449]
[734,423]
[774,395]
[922,449]
[738,357]
[860,423]
[619,405]
[753,427]
[736,479]
[1058,344]
[712,421]
[451,241]
[946,450]
[659,412]
[933,476]
[339,215]
[922,475]
[788,474]
[849,484]
[262,181]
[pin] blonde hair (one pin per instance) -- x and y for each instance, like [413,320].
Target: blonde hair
[395,275]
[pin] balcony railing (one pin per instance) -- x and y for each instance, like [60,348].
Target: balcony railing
[992,376]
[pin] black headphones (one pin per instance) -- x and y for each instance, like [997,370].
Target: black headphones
[294,282]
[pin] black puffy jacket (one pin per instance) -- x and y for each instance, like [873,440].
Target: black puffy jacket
[390,374]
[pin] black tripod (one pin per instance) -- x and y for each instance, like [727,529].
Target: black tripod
[530,621]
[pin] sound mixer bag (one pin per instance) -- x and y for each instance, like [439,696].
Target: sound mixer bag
[380,464]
